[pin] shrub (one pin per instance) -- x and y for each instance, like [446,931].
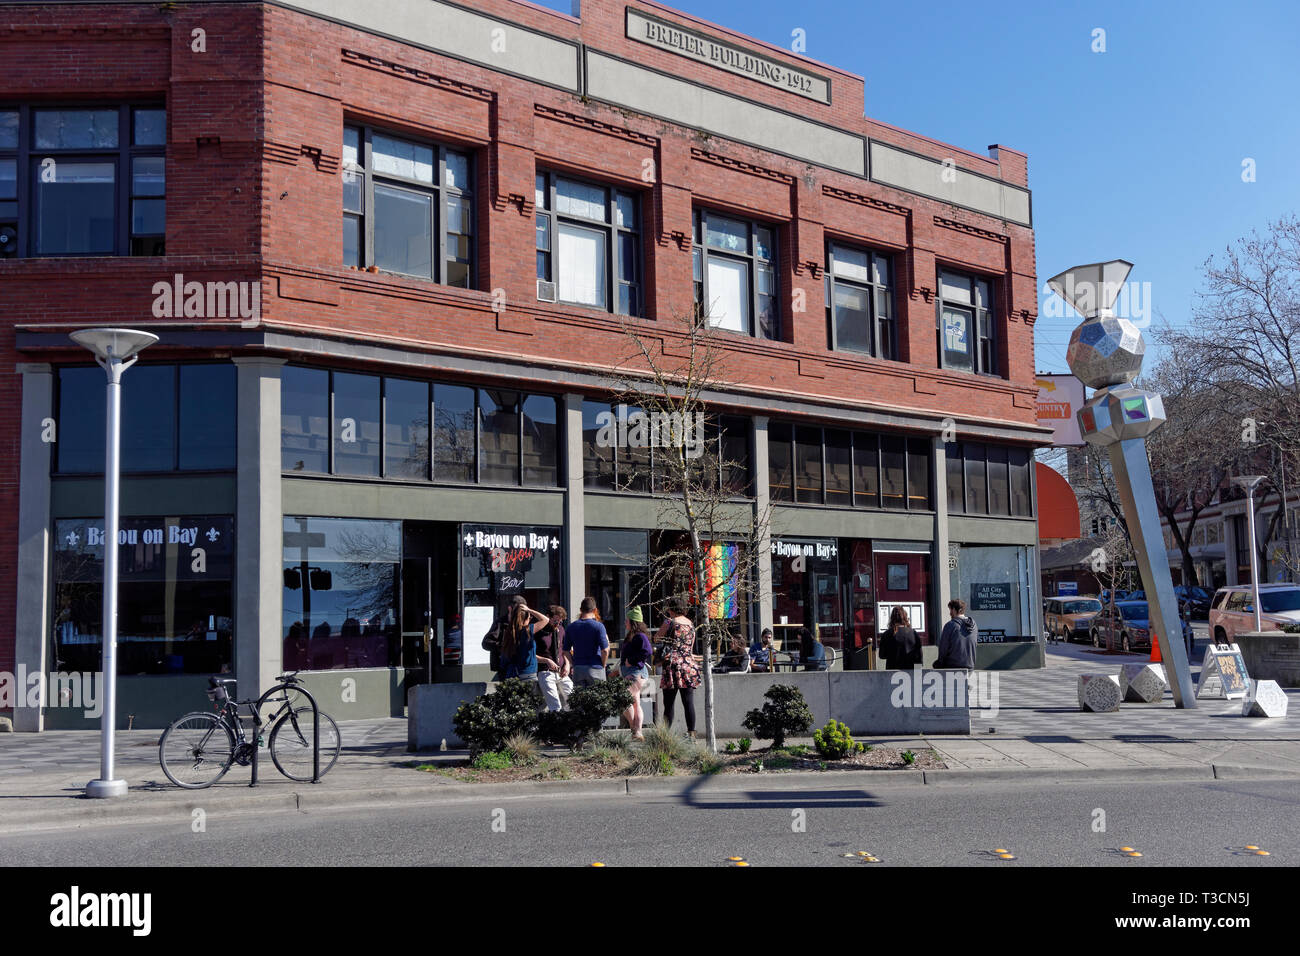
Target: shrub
[487,721]
[744,744]
[909,758]
[522,748]
[730,748]
[492,760]
[589,708]
[835,741]
[786,712]
[613,740]
[661,749]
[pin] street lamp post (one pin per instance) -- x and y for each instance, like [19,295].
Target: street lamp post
[115,350]
[1105,353]
[1250,483]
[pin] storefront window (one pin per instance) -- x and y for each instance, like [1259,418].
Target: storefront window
[893,472]
[175,595]
[498,562]
[956,479]
[304,420]
[806,590]
[356,425]
[918,474]
[866,470]
[174,418]
[780,458]
[453,433]
[808,465]
[340,593]
[406,429]
[499,446]
[989,480]
[839,468]
[541,437]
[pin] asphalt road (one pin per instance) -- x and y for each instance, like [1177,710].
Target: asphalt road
[1040,824]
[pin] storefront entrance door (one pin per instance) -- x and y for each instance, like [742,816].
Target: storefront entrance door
[903,579]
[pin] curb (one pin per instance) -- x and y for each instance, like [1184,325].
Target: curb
[81,812]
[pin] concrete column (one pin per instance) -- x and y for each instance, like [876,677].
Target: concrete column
[941,576]
[32,627]
[762,502]
[259,534]
[575,520]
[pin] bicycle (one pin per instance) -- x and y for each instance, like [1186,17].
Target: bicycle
[198,748]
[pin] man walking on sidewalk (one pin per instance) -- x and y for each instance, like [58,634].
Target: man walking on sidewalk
[958,640]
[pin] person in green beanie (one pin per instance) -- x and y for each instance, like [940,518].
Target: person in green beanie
[634,666]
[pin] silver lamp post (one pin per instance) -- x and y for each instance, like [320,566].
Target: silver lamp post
[1106,353]
[115,350]
[1250,483]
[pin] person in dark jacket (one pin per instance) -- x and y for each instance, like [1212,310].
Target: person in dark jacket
[900,647]
[958,640]
[811,652]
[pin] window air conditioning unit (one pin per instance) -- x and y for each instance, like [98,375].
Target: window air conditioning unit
[545,291]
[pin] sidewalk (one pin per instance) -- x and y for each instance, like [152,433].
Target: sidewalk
[1038,735]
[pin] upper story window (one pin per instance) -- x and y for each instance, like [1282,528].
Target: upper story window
[82,181]
[860,301]
[174,418]
[966,318]
[735,274]
[588,245]
[989,480]
[808,464]
[408,207]
[371,426]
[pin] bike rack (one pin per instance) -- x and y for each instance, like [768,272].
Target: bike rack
[315,731]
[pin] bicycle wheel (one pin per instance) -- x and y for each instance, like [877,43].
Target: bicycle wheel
[196,750]
[291,743]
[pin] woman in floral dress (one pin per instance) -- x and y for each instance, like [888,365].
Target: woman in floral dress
[676,639]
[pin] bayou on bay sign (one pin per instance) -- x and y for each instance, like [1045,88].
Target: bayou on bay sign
[733,59]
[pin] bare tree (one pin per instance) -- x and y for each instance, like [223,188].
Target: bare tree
[1246,340]
[673,445]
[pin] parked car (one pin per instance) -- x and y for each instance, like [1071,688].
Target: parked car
[1128,625]
[1196,600]
[1234,609]
[1119,595]
[1070,617]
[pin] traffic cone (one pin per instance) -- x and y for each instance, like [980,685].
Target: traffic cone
[1155,648]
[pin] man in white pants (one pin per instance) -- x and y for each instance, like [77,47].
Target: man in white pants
[552,665]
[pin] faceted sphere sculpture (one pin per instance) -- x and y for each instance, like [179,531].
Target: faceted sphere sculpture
[1106,350]
[1120,413]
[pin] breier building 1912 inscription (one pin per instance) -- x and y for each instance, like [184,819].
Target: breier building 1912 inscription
[697,46]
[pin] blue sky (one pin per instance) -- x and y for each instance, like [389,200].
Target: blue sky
[1135,153]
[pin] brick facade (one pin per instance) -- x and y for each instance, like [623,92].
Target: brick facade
[254,192]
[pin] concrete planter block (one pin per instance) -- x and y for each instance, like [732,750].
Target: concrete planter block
[1143,683]
[1099,693]
[1266,699]
[430,708]
[1271,655]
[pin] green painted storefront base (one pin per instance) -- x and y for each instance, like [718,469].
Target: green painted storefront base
[155,701]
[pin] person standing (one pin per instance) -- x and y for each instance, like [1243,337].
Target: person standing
[676,638]
[634,667]
[586,645]
[900,647]
[958,640]
[553,666]
[519,645]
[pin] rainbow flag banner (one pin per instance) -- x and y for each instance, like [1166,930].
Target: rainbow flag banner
[720,575]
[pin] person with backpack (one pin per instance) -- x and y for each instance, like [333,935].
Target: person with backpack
[958,640]
[518,643]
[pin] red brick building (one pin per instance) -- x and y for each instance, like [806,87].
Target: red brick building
[332,415]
